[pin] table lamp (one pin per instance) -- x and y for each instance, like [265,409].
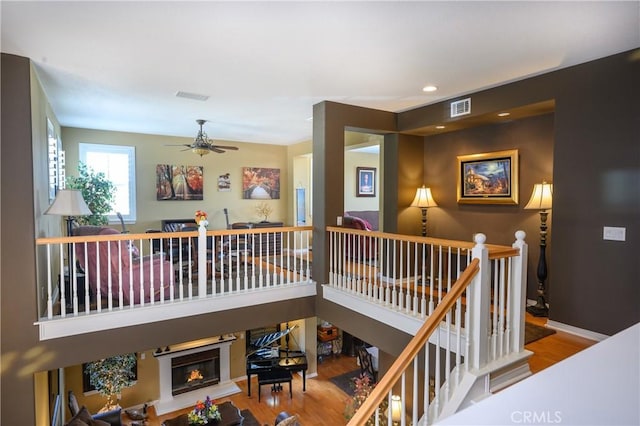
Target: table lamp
[396,409]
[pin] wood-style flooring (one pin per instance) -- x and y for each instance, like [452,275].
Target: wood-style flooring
[323,403]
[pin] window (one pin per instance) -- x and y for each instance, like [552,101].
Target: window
[55,160]
[117,162]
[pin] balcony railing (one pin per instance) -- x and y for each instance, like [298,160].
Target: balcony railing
[116,272]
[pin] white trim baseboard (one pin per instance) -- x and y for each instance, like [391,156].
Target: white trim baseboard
[587,334]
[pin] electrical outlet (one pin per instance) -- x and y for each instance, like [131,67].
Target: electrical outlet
[614,233]
[339,221]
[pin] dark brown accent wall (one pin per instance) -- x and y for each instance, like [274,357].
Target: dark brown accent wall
[597,182]
[20,352]
[596,176]
[533,138]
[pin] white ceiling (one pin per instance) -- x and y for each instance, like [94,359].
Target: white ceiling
[118,65]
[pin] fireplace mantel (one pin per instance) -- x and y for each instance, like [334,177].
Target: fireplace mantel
[195,344]
[168,402]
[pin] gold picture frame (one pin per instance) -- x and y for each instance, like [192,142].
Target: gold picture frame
[488,178]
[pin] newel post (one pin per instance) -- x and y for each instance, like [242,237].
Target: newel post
[480,300]
[202,259]
[518,290]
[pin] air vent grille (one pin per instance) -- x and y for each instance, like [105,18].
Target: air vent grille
[194,96]
[462,107]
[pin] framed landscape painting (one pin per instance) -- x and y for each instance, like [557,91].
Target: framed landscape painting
[260,183]
[179,182]
[488,178]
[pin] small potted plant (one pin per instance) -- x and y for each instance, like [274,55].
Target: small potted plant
[204,412]
[264,210]
[201,217]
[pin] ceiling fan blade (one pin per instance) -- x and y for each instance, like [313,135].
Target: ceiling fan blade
[215,149]
[184,144]
[234,148]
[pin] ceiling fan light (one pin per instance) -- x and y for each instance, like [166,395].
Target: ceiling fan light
[200,150]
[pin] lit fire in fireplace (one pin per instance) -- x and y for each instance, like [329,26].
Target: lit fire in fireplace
[194,375]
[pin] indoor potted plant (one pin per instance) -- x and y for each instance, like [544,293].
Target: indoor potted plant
[98,192]
[263,209]
[110,375]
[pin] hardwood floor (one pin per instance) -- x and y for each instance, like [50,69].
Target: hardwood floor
[323,403]
[552,349]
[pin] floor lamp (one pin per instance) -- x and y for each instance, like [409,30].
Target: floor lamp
[541,199]
[69,203]
[424,200]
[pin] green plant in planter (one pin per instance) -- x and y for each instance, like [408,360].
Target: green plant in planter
[98,192]
[110,375]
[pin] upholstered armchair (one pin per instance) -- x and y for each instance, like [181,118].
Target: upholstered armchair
[113,262]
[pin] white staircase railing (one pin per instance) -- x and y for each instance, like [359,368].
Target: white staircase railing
[480,333]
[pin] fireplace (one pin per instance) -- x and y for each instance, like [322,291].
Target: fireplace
[191,371]
[195,371]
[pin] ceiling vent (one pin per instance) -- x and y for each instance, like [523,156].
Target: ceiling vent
[193,96]
[462,107]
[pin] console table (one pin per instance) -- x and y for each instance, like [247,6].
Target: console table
[269,242]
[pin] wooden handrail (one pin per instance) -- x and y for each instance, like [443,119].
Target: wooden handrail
[394,373]
[495,251]
[165,235]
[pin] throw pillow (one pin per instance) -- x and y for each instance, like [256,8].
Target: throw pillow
[289,421]
[83,418]
[83,415]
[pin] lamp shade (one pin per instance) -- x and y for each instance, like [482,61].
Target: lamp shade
[396,408]
[423,198]
[68,202]
[541,198]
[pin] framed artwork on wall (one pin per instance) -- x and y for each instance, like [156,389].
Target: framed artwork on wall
[179,182]
[224,183]
[488,178]
[365,181]
[259,183]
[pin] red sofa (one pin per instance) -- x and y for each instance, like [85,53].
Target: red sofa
[120,265]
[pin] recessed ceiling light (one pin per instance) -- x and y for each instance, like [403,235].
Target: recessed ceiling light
[439,127]
[429,88]
[504,114]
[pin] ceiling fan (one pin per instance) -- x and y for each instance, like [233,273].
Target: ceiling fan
[202,144]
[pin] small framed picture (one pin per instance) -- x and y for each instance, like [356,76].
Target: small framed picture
[488,178]
[365,181]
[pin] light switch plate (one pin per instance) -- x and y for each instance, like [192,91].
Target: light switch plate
[614,233]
